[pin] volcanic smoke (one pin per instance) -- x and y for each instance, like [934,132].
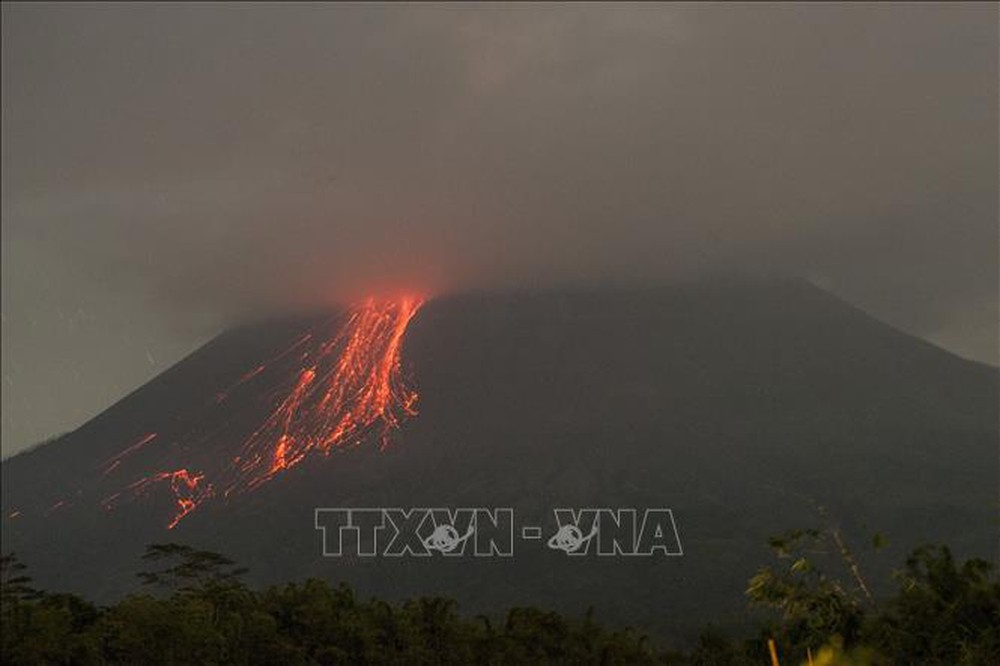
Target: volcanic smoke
[348,388]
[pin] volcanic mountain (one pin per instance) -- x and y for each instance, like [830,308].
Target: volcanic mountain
[741,406]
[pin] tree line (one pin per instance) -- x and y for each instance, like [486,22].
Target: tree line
[195,609]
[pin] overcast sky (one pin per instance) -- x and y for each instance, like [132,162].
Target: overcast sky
[169,169]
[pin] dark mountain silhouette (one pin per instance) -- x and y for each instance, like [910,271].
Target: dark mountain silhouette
[740,406]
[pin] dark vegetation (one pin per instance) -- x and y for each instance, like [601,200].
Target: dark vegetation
[197,610]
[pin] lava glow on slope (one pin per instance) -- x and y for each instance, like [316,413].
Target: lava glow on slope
[347,385]
[187,488]
[348,388]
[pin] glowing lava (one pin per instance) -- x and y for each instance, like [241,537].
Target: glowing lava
[348,388]
[349,385]
[111,464]
[186,487]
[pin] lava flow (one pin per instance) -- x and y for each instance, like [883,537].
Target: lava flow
[348,385]
[347,388]
[187,488]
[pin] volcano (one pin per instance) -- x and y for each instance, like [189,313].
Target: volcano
[741,406]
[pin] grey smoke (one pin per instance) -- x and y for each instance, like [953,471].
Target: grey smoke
[167,169]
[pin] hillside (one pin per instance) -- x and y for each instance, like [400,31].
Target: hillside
[740,406]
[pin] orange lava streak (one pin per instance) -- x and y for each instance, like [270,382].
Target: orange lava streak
[348,388]
[247,376]
[110,464]
[338,398]
[187,488]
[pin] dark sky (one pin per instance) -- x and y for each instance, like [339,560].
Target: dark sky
[167,169]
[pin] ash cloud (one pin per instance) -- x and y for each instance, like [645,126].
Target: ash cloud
[240,159]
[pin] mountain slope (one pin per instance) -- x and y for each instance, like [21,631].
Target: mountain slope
[739,406]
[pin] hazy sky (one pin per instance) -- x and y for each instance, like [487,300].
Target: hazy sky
[168,169]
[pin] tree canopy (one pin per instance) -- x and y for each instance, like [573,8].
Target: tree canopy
[195,608]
